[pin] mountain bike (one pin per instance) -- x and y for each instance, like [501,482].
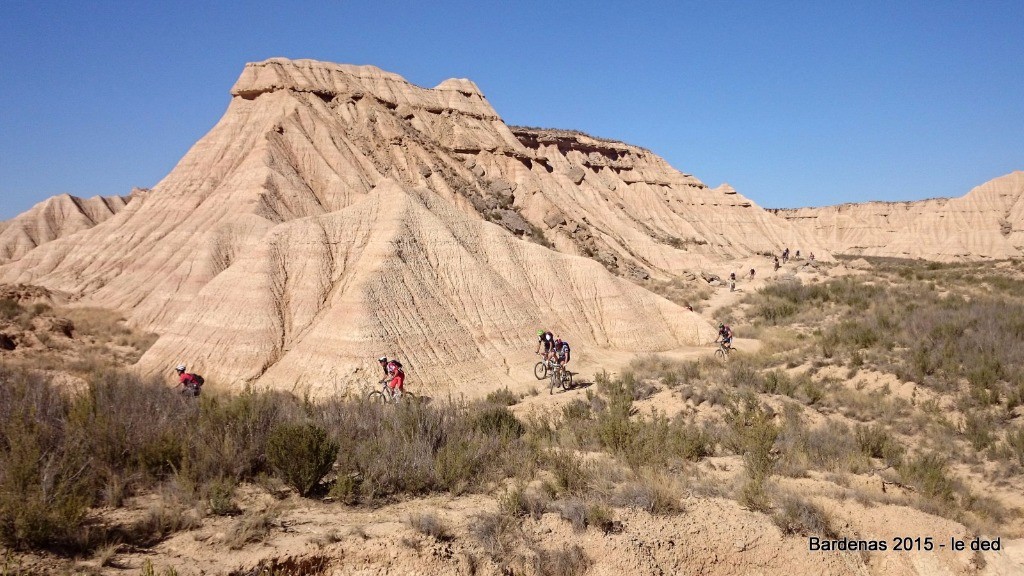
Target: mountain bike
[723,351]
[560,377]
[542,368]
[386,396]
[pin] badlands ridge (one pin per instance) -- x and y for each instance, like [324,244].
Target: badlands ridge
[338,212]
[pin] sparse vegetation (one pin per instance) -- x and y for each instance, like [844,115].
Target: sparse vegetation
[848,384]
[302,454]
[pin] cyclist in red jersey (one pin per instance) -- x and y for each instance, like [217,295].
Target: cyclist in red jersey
[397,375]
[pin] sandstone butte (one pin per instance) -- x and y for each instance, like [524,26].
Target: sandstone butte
[336,213]
[986,223]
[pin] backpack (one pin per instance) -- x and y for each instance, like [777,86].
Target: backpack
[396,363]
[199,379]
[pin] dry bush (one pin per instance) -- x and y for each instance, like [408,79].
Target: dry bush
[571,473]
[500,536]
[429,524]
[162,520]
[565,561]
[681,291]
[574,511]
[654,493]
[46,477]
[929,473]
[107,327]
[253,526]
[416,449]
[670,372]
[795,515]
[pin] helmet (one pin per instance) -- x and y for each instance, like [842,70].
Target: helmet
[540,332]
[382,359]
[720,325]
[180,368]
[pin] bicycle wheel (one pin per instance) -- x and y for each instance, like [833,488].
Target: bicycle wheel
[720,354]
[540,370]
[377,397]
[566,380]
[553,382]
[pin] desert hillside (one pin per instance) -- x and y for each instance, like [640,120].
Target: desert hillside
[52,218]
[280,204]
[987,223]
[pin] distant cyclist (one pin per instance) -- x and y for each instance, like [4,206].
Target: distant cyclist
[397,378]
[562,352]
[192,382]
[725,335]
[547,340]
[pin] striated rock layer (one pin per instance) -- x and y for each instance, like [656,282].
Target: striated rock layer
[52,218]
[986,223]
[337,212]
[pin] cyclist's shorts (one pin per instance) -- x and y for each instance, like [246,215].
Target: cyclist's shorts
[397,382]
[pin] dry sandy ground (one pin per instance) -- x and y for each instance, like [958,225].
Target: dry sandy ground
[711,535]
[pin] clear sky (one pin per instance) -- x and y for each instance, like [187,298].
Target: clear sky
[793,103]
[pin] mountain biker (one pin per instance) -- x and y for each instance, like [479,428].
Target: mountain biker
[397,376]
[383,361]
[547,339]
[562,352]
[725,334]
[191,382]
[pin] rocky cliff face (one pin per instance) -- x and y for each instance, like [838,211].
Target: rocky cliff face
[987,223]
[337,212]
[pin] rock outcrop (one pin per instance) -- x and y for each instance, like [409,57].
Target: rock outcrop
[986,223]
[52,218]
[262,255]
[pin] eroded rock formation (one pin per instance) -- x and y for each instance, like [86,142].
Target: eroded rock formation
[338,212]
[986,223]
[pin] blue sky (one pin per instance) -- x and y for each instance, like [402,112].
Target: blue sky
[793,103]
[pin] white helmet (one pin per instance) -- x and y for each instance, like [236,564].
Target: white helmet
[180,368]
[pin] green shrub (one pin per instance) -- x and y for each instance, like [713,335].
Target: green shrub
[929,472]
[979,430]
[503,397]
[46,480]
[9,309]
[1015,440]
[500,421]
[301,454]
[876,442]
